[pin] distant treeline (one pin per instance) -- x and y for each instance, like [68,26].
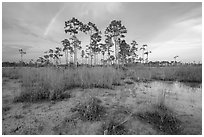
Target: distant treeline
[151,64]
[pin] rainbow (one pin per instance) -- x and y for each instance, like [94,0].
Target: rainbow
[53,21]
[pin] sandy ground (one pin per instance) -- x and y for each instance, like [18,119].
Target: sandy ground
[50,117]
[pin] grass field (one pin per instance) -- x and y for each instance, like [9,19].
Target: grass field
[172,73]
[97,100]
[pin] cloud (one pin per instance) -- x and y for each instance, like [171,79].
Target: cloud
[11,51]
[173,26]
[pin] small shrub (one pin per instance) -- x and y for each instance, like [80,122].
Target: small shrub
[114,128]
[128,81]
[115,121]
[90,110]
[162,119]
[5,109]
[18,116]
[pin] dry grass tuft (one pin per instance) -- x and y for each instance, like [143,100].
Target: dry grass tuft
[114,128]
[90,110]
[163,119]
[115,122]
[5,109]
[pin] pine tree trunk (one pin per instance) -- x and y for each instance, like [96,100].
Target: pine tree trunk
[21,60]
[115,51]
[103,59]
[94,59]
[75,56]
[67,58]
[65,54]
[91,60]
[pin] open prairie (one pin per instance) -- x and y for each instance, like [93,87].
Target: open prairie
[102,68]
[98,101]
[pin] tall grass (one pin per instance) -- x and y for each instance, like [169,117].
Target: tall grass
[12,73]
[177,73]
[51,83]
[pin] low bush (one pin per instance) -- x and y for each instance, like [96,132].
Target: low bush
[162,119]
[90,110]
[115,122]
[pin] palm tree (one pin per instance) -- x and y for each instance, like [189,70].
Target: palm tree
[115,30]
[22,53]
[66,46]
[143,49]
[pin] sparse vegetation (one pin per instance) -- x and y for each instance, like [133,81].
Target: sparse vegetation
[115,121]
[163,119]
[90,110]
[114,128]
[119,101]
[5,109]
[51,84]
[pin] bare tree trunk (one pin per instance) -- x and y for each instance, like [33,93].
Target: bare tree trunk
[94,59]
[65,52]
[75,56]
[91,59]
[123,62]
[103,59]
[143,56]
[67,57]
[71,61]
[21,58]
[115,51]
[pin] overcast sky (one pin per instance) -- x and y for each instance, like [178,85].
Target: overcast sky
[169,29]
